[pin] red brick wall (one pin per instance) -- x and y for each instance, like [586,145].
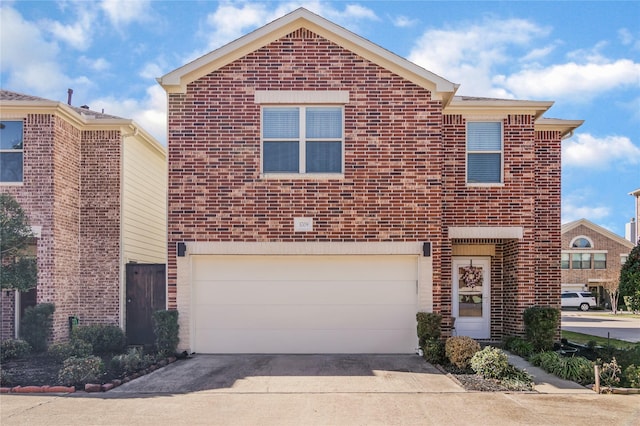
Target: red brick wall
[99,278]
[390,189]
[78,272]
[404,174]
[7,314]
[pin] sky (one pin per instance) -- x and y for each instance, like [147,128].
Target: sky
[583,55]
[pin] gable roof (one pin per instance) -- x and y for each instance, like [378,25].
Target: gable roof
[596,228]
[176,81]
[15,105]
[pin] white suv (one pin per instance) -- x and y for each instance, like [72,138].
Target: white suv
[582,300]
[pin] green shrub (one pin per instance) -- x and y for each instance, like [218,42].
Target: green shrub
[433,351]
[516,379]
[575,368]
[73,348]
[35,326]
[490,363]
[429,324]
[632,376]
[134,360]
[79,371]
[460,349]
[14,348]
[165,327]
[105,339]
[6,379]
[541,325]
[610,373]
[518,346]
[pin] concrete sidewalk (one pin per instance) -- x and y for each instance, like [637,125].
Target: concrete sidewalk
[545,382]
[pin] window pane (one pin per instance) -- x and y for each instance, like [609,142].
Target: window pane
[281,157]
[280,123]
[484,136]
[600,260]
[586,261]
[324,157]
[564,263]
[11,167]
[581,243]
[324,122]
[484,168]
[10,134]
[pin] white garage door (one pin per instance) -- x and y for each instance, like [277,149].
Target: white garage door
[304,304]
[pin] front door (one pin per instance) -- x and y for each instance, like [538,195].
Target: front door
[471,297]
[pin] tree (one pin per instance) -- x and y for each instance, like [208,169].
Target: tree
[18,270]
[611,285]
[630,279]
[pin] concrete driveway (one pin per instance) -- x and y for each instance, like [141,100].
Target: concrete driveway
[294,374]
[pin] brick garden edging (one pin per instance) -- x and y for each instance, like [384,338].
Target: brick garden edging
[89,387]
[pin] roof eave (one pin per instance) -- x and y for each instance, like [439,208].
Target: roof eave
[177,80]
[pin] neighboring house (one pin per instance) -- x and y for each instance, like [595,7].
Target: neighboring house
[322,190]
[94,189]
[591,254]
[632,229]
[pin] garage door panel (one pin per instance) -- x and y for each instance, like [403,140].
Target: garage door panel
[304,304]
[302,292]
[360,317]
[305,341]
[256,268]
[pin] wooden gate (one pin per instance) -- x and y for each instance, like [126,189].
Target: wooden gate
[146,293]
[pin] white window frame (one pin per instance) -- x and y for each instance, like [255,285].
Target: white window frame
[15,151]
[467,152]
[574,239]
[302,141]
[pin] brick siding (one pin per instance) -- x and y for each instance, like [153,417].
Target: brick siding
[69,175]
[404,177]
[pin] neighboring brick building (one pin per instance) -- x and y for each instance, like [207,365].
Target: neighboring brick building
[591,254]
[93,186]
[322,190]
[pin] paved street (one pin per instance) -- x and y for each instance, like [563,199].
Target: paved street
[596,323]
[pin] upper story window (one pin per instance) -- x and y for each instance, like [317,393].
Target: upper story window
[581,242]
[484,152]
[10,151]
[302,139]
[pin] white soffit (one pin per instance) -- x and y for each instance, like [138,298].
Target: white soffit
[484,232]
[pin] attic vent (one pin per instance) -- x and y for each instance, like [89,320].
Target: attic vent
[452,119]
[302,33]
[520,119]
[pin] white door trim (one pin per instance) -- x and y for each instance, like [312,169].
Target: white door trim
[469,325]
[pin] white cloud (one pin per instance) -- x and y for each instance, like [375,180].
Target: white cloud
[79,34]
[30,61]
[403,21]
[149,111]
[232,20]
[151,71]
[571,80]
[468,54]
[585,150]
[123,12]
[99,64]
[571,212]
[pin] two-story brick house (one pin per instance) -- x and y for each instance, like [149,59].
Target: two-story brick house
[94,189]
[591,255]
[322,190]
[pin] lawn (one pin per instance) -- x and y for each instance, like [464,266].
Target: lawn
[584,339]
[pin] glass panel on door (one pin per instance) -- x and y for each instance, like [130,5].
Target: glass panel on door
[470,291]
